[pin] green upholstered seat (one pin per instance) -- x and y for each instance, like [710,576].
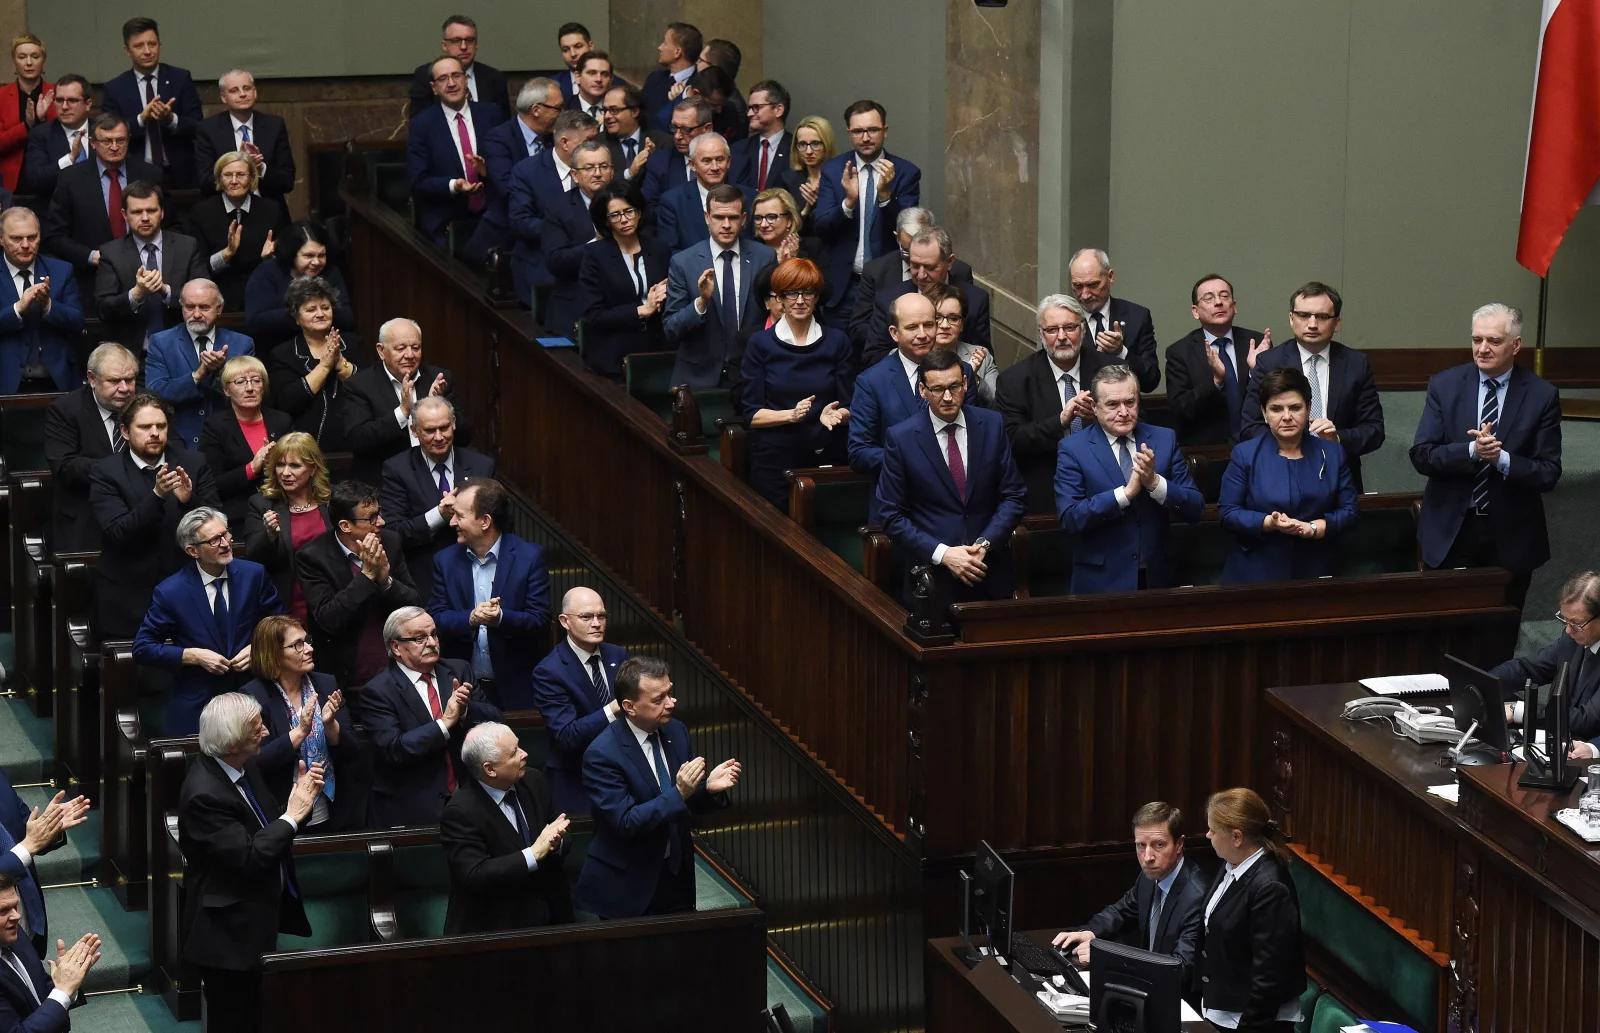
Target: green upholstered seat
[333,887]
[648,376]
[421,890]
[1331,1016]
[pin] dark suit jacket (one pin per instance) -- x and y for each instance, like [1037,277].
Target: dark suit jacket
[490,886]
[227,453]
[881,398]
[745,168]
[18,1012]
[54,334]
[492,89]
[276,553]
[522,584]
[1258,482]
[208,222]
[657,108]
[1530,431]
[884,271]
[1252,960]
[1138,338]
[878,342]
[534,188]
[839,231]
[321,414]
[1202,412]
[138,534]
[609,301]
[705,347]
[567,232]
[74,437]
[370,428]
[409,751]
[124,95]
[1352,403]
[681,217]
[1583,682]
[170,363]
[340,603]
[114,277]
[635,820]
[619,155]
[77,222]
[502,147]
[267,320]
[236,897]
[47,145]
[279,760]
[564,693]
[432,162]
[410,492]
[14,817]
[1181,926]
[1029,399]
[1112,542]
[666,169]
[214,137]
[180,616]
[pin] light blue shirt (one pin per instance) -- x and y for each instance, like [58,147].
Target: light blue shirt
[1503,462]
[500,801]
[482,591]
[529,138]
[105,184]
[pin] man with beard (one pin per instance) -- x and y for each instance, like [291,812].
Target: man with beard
[185,363]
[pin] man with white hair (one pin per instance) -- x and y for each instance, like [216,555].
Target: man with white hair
[238,847]
[505,856]
[681,212]
[239,126]
[383,394]
[891,268]
[184,362]
[1121,331]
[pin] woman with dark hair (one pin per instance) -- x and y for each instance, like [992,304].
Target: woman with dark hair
[236,227]
[622,283]
[301,249]
[1286,493]
[950,325]
[308,371]
[1253,966]
[795,386]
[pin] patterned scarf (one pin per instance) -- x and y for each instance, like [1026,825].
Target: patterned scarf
[314,750]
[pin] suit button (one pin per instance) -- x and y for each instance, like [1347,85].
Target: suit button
[1205,979]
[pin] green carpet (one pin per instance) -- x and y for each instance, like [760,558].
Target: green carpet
[26,742]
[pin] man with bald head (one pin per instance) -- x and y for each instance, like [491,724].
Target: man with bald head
[572,687]
[240,127]
[382,395]
[184,363]
[681,214]
[41,317]
[1119,331]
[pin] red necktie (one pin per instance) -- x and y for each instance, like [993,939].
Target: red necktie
[475,202]
[958,470]
[761,177]
[438,712]
[119,227]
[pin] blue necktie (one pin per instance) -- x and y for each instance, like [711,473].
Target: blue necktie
[1230,384]
[1124,457]
[867,198]
[602,695]
[255,805]
[219,613]
[674,862]
[730,296]
[1490,414]
[28,887]
[522,819]
[244,134]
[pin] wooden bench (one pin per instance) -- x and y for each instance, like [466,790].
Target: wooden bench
[28,495]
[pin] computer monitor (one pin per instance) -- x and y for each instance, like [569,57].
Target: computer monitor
[1133,990]
[989,900]
[1550,769]
[1475,697]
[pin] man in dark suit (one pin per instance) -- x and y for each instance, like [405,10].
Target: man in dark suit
[538,184]
[417,713]
[139,278]
[160,103]
[30,1000]
[484,84]
[1117,486]
[241,127]
[594,82]
[568,229]
[201,619]
[573,687]
[645,784]
[504,840]
[138,495]
[706,313]
[886,394]
[80,427]
[632,143]
[41,318]
[1161,911]
[677,53]
[1046,396]
[238,849]
[25,834]
[419,486]
[574,40]
[1121,331]
[184,364]
[760,158]
[444,160]
[86,209]
[949,492]
[859,201]
[60,142]
[353,575]
[383,395]
[1489,442]
[1576,647]
[491,596]
[525,135]
[1344,406]
[681,212]
[667,167]
[1207,368]
[891,268]
[930,258]
[717,88]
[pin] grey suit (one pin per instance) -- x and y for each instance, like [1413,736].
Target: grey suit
[115,277]
[706,348]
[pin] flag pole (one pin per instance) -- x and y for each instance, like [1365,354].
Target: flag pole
[1538,341]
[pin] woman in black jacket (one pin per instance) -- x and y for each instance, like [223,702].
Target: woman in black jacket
[235,227]
[622,283]
[237,440]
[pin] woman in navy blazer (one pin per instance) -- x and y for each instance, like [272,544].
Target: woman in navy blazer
[301,249]
[622,283]
[1285,495]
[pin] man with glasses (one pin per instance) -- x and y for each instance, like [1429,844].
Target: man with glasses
[201,619]
[1344,405]
[86,208]
[1046,396]
[574,689]
[632,143]
[444,153]
[538,184]
[184,363]
[761,159]
[681,213]
[1118,485]
[60,142]
[1577,646]
[1120,330]
[668,167]
[1208,368]
[930,257]
[484,85]
[525,136]
[567,230]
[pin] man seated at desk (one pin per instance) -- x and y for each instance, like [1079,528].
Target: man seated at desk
[1576,647]
[1162,910]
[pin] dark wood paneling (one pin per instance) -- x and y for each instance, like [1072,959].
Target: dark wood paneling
[1408,369]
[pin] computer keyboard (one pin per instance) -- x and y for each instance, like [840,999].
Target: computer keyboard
[1044,961]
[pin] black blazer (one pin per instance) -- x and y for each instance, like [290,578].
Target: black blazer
[278,761]
[745,162]
[1027,396]
[214,138]
[882,272]
[565,235]
[19,1011]
[114,277]
[492,89]
[370,430]
[208,222]
[267,318]
[1180,927]
[410,492]
[74,437]
[275,552]
[322,414]
[1583,682]
[47,145]
[1138,338]
[77,222]
[490,886]
[1252,959]
[1352,403]
[227,452]
[1199,407]
[608,297]
[236,897]
[339,603]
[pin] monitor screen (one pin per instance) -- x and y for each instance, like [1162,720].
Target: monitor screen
[1475,696]
[992,881]
[1133,990]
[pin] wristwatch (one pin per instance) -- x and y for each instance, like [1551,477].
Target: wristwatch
[982,543]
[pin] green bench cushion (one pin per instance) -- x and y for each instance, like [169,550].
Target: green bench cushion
[333,888]
[422,890]
[1331,1016]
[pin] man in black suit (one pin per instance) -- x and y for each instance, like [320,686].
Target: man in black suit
[239,853]
[632,142]
[1046,396]
[353,575]
[929,257]
[1344,405]
[892,268]
[1161,911]
[761,159]
[485,85]
[503,845]
[138,495]
[62,141]
[240,127]
[1120,331]
[1207,369]
[419,486]
[568,229]
[160,103]
[417,713]
[677,53]
[1577,646]
[594,79]
[80,427]
[86,209]
[30,1000]
[139,279]
[382,396]
[668,167]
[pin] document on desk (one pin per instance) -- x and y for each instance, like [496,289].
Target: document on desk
[1407,684]
[1450,791]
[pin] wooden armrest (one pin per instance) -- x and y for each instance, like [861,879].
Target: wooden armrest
[876,558]
[734,447]
[803,483]
[686,434]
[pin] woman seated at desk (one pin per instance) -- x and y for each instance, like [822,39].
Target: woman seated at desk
[1285,493]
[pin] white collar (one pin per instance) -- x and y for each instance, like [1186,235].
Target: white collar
[642,736]
[448,462]
[32,269]
[1238,870]
[718,249]
[234,774]
[906,364]
[141,464]
[206,579]
[497,795]
[1076,372]
[229,207]
[940,425]
[1306,353]
[786,335]
[1212,338]
[248,120]
[1111,439]
[583,654]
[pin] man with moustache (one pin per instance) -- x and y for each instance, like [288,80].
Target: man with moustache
[1208,368]
[185,362]
[83,426]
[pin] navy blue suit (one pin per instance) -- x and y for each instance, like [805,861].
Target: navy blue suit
[180,611]
[52,334]
[47,145]
[882,397]
[681,216]
[534,188]
[653,93]
[1259,481]
[636,820]
[878,340]
[574,714]
[1352,403]
[667,168]
[566,233]
[745,166]
[1112,542]
[170,361]
[523,587]
[432,162]
[1530,432]
[18,1012]
[13,830]
[705,347]
[124,95]
[922,510]
[502,147]
[840,231]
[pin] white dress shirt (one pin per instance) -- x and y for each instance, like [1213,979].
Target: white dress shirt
[1104,312]
[434,518]
[1158,494]
[400,417]
[716,264]
[65,161]
[1321,385]
[455,134]
[421,690]
[940,439]
[503,799]
[215,585]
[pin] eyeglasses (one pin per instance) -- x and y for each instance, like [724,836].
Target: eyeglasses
[762,219]
[417,640]
[1573,625]
[604,166]
[758,105]
[590,618]
[449,77]
[246,381]
[866,131]
[686,130]
[948,318]
[216,541]
[943,392]
[809,145]
[1060,330]
[623,214]
[1211,296]
[1325,317]
[462,41]
[617,111]
[542,104]
[299,645]
[371,518]
[799,296]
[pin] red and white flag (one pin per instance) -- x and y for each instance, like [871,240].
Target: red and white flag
[1563,167]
